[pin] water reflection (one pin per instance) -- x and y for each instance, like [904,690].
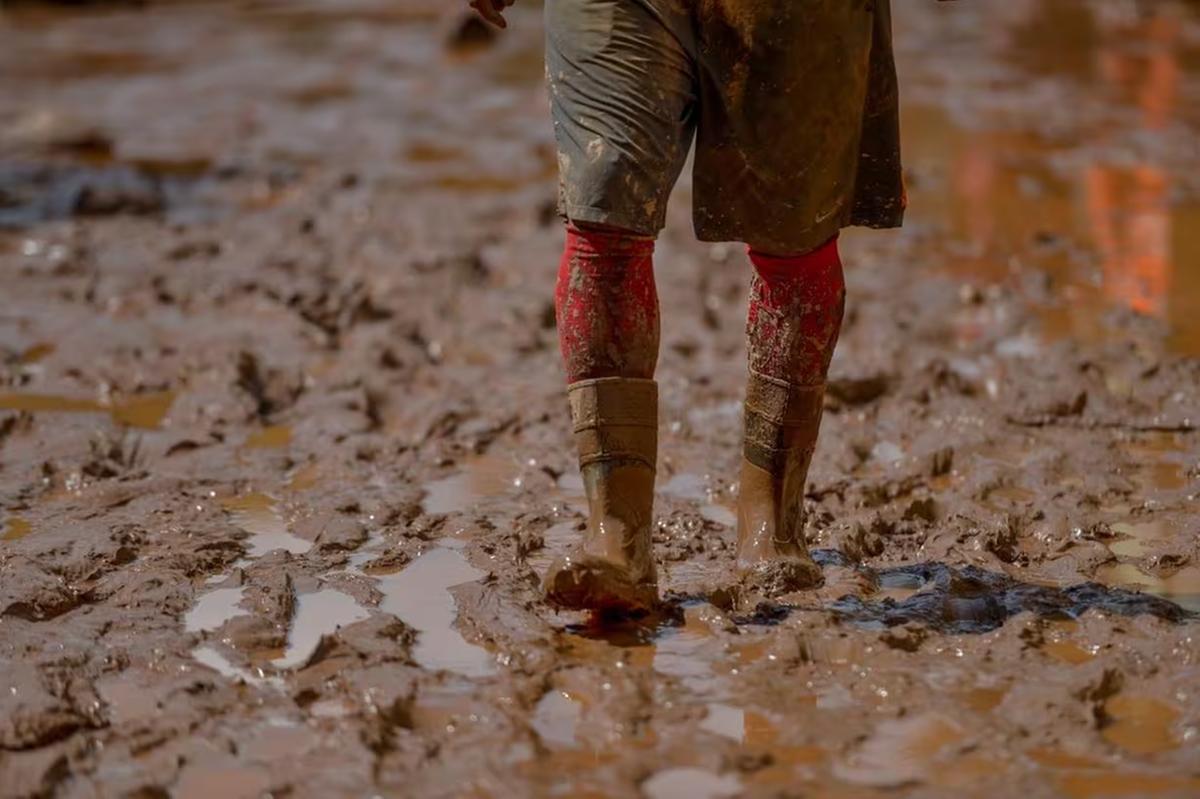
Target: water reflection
[1095,209]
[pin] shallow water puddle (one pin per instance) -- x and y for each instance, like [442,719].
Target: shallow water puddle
[1140,724]
[15,528]
[725,720]
[759,736]
[1138,535]
[258,514]
[692,653]
[1162,460]
[556,717]
[899,585]
[481,477]
[274,437]
[690,783]
[145,411]
[304,477]
[1124,785]
[210,657]
[1060,645]
[214,609]
[996,193]
[901,751]
[419,596]
[1182,587]
[983,699]
[317,614]
[685,485]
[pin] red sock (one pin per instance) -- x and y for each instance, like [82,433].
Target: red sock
[606,305]
[796,305]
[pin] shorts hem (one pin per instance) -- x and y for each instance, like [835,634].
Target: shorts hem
[807,241]
[602,216]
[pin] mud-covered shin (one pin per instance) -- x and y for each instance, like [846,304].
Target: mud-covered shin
[615,424]
[781,425]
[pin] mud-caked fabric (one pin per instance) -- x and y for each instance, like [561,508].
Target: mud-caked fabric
[606,305]
[795,316]
[793,106]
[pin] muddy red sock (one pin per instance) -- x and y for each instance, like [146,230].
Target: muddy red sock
[796,305]
[606,305]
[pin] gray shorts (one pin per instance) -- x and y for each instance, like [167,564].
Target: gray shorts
[792,104]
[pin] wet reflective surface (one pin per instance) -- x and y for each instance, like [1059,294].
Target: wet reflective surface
[1092,199]
[258,515]
[419,596]
[213,609]
[143,411]
[15,528]
[317,614]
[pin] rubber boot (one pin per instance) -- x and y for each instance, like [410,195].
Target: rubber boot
[616,431]
[781,424]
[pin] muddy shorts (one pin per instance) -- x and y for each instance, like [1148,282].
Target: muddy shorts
[792,104]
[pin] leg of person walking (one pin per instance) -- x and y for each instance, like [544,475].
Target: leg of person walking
[622,99]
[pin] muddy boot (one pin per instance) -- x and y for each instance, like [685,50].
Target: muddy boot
[781,434]
[616,431]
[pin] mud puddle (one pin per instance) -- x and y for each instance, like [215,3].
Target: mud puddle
[15,528]
[478,479]
[419,596]
[1181,588]
[690,782]
[317,614]
[259,515]
[144,411]
[213,609]
[1091,202]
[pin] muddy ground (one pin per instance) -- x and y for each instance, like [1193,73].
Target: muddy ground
[283,437]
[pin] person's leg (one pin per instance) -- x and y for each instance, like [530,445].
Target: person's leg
[607,311]
[795,315]
[622,96]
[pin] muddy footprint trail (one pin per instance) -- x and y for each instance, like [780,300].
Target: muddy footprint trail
[284,446]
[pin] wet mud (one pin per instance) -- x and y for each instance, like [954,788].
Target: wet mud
[285,449]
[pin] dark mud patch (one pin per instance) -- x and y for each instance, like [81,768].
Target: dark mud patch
[31,194]
[973,600]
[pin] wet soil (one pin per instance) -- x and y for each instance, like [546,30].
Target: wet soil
[284,447]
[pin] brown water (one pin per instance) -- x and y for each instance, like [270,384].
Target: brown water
[15,528]
[259,515]
[1089,200]
[139,410]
